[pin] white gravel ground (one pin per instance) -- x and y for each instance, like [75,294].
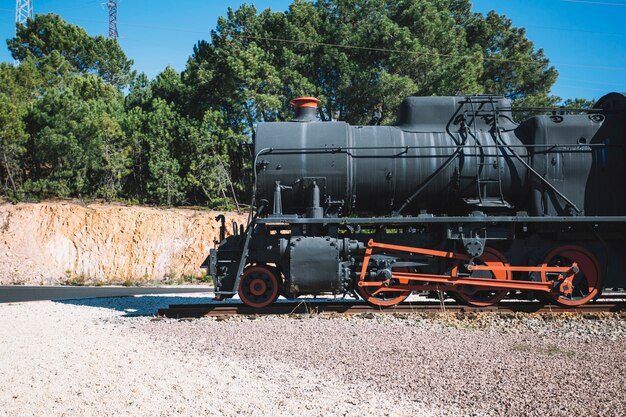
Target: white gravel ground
[107,357]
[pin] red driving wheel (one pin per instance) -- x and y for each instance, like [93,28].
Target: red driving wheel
[381,297]
[258,286]
[587,283]
[473,295]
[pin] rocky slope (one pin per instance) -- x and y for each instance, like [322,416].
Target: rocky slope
[54,242]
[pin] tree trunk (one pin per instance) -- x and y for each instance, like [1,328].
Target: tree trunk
[232,187]
[6,167]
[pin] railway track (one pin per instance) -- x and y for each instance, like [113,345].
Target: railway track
[355,307]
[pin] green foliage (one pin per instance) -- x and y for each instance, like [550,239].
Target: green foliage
[12,145]
[357,56]
[579,103]
[48,33]
[76,142]
[162,132]
[77,121]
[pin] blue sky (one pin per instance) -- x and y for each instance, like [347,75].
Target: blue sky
[584,39]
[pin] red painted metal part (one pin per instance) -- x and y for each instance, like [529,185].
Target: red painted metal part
[261,282]
[380,296]
[586,265]
[566,273]
[258,287]
[305,101]
[385,296]
[510,268]
[481,297]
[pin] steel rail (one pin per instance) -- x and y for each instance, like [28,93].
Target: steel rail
[179,311]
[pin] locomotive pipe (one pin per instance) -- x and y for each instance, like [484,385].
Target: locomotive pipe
[425,184]
[278,204]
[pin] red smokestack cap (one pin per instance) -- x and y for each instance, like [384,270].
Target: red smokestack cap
[305,109]
[304,101]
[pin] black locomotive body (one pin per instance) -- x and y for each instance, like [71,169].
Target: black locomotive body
[456,197]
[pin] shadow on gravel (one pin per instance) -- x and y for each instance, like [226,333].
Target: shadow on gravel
[148,305]
[145,305]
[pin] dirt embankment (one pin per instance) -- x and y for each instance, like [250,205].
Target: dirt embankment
[54,242]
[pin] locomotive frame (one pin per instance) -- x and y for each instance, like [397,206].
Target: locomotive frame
[478,252]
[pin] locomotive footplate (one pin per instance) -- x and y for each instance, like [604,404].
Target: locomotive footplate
[501,273]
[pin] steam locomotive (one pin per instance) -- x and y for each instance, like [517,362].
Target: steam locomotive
[456,198]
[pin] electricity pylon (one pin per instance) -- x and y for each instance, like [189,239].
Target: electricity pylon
[23,11]
[112,18]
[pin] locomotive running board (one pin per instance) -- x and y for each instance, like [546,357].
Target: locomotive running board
[563,285]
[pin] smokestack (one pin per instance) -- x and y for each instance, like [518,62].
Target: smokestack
[305,109]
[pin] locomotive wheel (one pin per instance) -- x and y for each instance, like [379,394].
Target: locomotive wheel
[258,286]
[473,295]
[587,283]
[384,298]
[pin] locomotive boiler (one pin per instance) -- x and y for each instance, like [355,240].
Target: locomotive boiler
[455,198]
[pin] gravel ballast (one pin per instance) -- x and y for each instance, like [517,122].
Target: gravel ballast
[98,358]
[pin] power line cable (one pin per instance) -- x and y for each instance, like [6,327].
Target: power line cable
[583,87]
[369,48]
[417,53]
[590,32]
[598,3]
[375,49]
[98,2]
[623,86]
[64,10]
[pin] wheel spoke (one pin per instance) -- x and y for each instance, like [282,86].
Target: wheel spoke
[382,296]
[587,283]
[483,298]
